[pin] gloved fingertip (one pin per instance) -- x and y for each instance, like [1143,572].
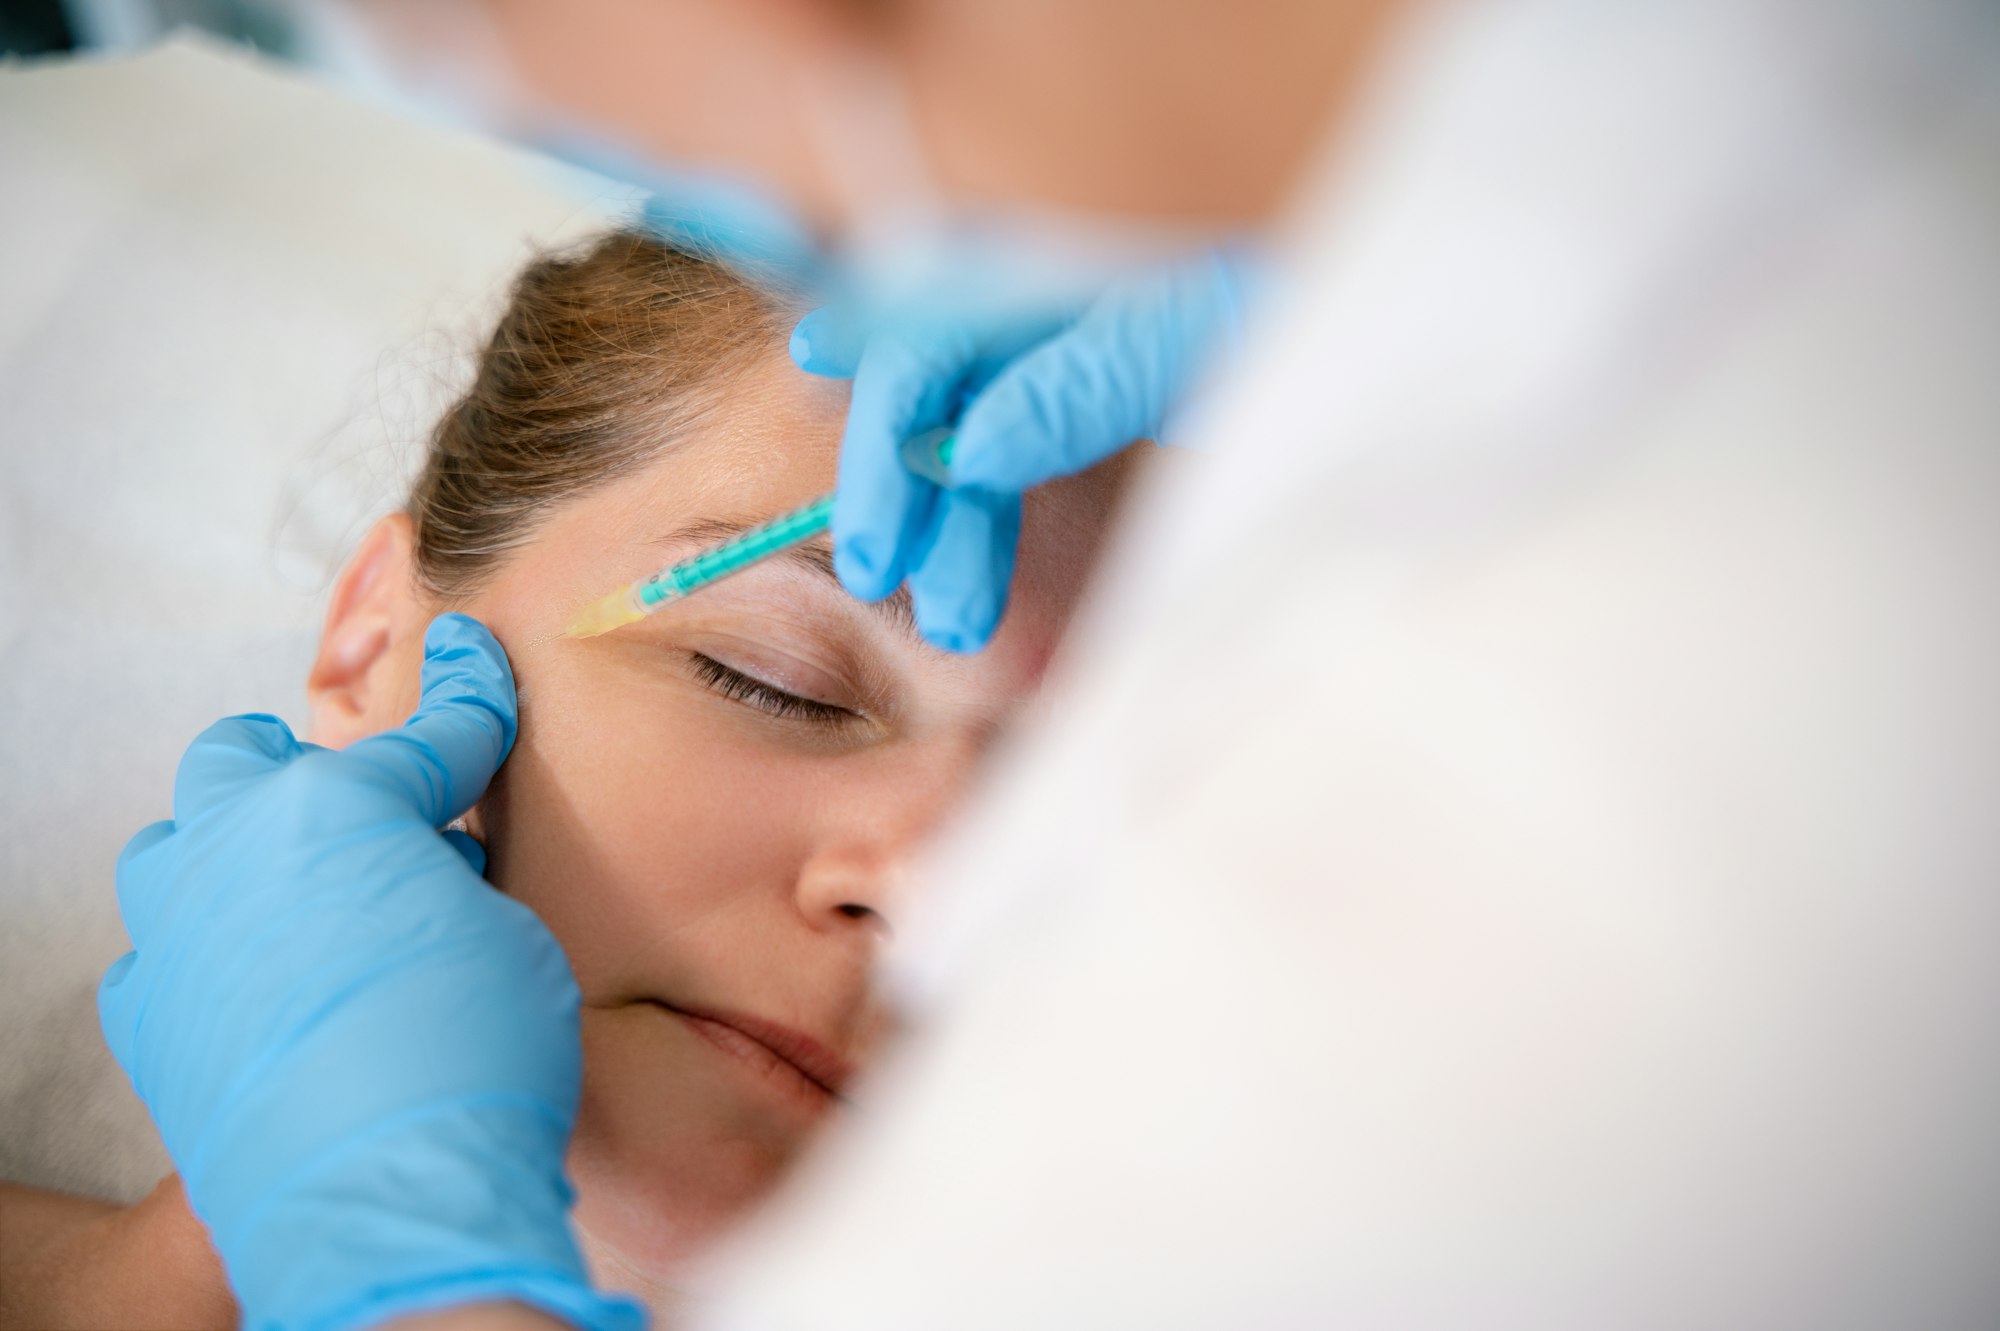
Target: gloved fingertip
[452,634]
[474,853]
[801,347]
[962,627]
[114,974]
[464,663]
[145,839]
[818,346]
[959,639]
[250,732]
[227,757]
[866,572]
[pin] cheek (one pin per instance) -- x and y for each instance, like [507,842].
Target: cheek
[646,830]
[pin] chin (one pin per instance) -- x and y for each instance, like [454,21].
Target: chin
[672,1148]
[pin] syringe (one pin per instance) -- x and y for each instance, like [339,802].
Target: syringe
[927,454]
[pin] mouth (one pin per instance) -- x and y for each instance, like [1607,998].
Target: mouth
[771,1048]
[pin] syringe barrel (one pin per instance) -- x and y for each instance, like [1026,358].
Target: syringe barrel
[760,542]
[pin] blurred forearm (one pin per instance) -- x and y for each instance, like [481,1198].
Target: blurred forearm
[70,1261]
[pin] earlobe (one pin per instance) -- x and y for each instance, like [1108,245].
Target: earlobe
[363,679]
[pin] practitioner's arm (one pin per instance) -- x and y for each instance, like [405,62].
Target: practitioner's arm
[70,1261]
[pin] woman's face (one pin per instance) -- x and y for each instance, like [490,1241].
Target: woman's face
[715,809]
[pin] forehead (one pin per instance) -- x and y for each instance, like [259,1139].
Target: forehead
[774,433]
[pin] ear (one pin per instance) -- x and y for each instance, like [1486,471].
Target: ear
[366,678]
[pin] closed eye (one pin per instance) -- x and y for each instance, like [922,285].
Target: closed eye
[764,697]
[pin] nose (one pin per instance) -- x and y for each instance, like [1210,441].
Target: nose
[860,870]
[850,888]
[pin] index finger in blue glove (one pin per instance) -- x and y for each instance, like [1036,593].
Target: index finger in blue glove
[962,573]
[439,761]
[826,344]
[905,383]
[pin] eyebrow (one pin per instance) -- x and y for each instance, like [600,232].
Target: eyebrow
[814,555]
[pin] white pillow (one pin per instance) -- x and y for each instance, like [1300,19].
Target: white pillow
[231,305]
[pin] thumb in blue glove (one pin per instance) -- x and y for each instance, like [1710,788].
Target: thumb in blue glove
[364,1060]
[1032,403]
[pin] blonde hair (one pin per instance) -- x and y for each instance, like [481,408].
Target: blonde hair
[602,358]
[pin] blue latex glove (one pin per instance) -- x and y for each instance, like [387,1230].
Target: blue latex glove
[363,1059]
[1031,404]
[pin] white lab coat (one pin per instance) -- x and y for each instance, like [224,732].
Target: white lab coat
[1519,843]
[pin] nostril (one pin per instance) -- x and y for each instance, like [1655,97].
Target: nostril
[877,922]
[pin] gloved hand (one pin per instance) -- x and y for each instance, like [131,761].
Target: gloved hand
[1032,403]
[364,1060]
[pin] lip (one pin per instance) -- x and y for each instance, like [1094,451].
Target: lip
[769,1043]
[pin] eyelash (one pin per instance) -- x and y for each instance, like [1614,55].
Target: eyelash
[739,686]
